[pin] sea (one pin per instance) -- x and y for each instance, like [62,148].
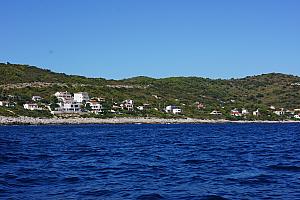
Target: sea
[143,161]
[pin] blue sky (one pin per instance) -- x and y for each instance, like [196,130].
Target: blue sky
[117,39]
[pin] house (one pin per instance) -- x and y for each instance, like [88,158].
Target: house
[215,112]
[127,104]
[69,107]
[235,113]
[7,104]
[140,108]
[290,112]
[256,113]
[272,108]
[245,111]
[95,106]
[279,112]
[297,116]
[101,99]
[63,96]
[199,105]
[145,106]
[176,111]
[81,97]
[31,106]
[36,98]
[4,103]
[156,97]
[173,109]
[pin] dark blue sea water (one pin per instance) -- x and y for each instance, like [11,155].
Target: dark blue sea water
[207,161]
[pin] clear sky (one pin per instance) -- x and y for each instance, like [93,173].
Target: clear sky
[117,39]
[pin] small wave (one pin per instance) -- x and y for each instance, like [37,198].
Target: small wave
[28,181]
[153,196]
[258,179]
[194,162]
[74,179]
[213,197]
[8,176]
[285,168]
[96,193]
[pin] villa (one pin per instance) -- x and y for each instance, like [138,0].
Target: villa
[81,97]
[140,108]
[36,98]
[7,104]
[215,112]
[173,109]
[63,96]
[127,104]
[256,113]
[279,112]
[68,107]
[235,113]
[31,106]
[95,106]
[245,111]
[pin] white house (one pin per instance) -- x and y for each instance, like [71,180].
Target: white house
[256,113]
[176,111]
[173,109]
[69,107]
[31,106]
[127,104]
[279,112]
[297,116]
[3,103]
[96,107]
[215,112]
[81,96]
[245,111]
[235,113]
[64,96]
[7,104]
[140,108]
[36,98]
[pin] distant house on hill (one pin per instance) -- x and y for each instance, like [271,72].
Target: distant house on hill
[140,108]
[297,116]
[7,104]
[215,112]
[68,107]
[256,113]
[235,113]
[64,96]
[36,98]
[95,107]
[31,106]
[127,104]
[245,111]
[81,97]
[279,112]
[173,109]
[199,105]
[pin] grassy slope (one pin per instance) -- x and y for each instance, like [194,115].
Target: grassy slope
[263,90]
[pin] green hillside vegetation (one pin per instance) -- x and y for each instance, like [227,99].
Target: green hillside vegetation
[251,92]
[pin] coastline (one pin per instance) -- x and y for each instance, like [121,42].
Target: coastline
[22,120]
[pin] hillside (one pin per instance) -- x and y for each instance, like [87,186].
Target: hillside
[279,90]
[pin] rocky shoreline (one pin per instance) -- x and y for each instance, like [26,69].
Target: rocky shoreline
[137,120]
